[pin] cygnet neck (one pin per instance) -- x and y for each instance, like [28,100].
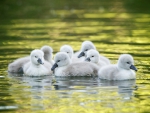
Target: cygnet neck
[35,65]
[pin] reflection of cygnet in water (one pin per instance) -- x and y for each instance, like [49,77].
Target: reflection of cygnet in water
[123,70]
[68,49]
[125,87]
[66,83]
[94,57]
[35,67]
[35,88]
[118,83]
[38,83]
[16,66]
[64,67]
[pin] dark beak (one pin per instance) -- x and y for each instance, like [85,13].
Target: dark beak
[81,54]
[88,59]
[54,66]
[133,67]
[40,61]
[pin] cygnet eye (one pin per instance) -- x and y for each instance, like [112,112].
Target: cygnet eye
[92,56]
[67,52]
[35,56]
[128,62]
[86,50]
[58,60]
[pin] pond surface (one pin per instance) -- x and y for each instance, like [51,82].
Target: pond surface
[114,26]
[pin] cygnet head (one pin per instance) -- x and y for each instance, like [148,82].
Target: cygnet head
[86,45]
[36,57]
[61,59]
[68,49]
[92,56]
[126,61]
[48,52]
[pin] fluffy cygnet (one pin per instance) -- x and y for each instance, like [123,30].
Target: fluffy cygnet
[16,66]
[123,70]
[68,49]
[86,45]
[94,57]
[48,53]
[35,66]
[64,67]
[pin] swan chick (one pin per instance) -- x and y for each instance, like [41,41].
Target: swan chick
[68,49]
[86,45]
[16,66]
[123,70]
[35,66]
[63,66]
[94,57]
[48,53]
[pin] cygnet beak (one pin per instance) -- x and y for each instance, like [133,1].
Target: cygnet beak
[133,67]
[54,66]
[40,61]
[88,59]
[81,54]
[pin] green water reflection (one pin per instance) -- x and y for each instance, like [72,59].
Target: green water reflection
[114,26]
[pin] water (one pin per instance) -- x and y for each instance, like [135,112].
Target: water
[114,26]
